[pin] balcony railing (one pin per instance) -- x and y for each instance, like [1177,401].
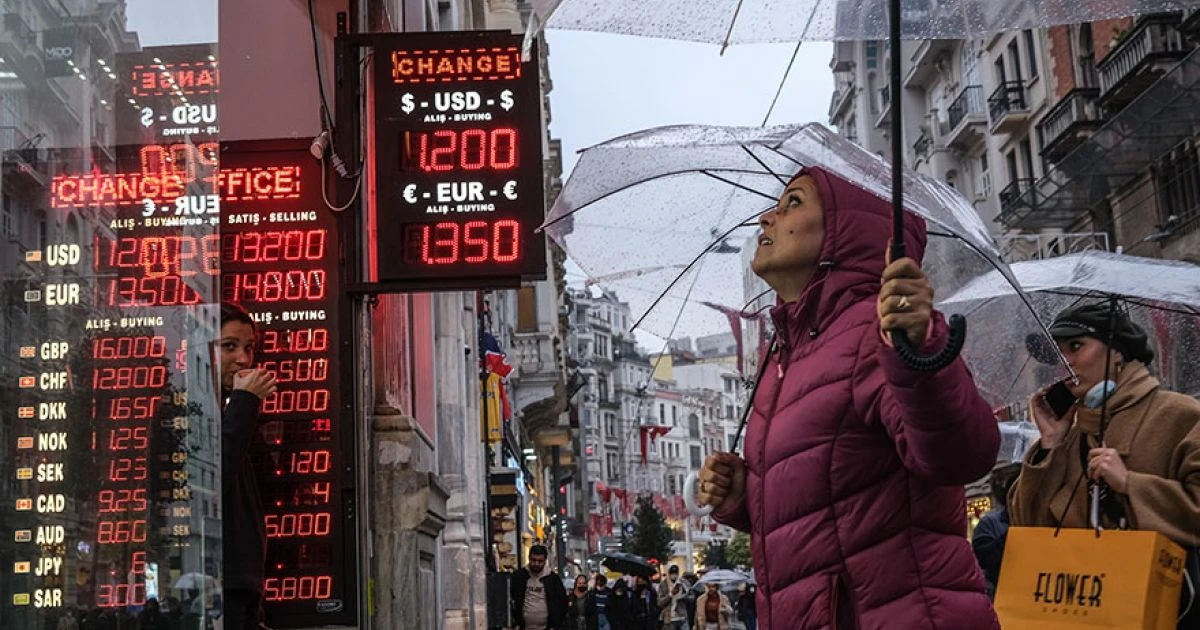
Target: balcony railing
[1059,130]
[969,101]
[1008,98]
[1021,193]
[1153,37]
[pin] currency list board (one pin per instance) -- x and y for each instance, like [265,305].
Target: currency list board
[111,397]
[109,410]
[458,146]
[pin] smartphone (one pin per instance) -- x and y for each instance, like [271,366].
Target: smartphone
[1059,398]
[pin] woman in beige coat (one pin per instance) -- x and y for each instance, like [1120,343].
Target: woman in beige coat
[1150,457]
[712,610]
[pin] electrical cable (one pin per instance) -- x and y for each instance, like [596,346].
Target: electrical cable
[326,118]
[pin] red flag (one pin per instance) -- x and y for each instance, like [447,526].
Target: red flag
[604,491]
[649,434]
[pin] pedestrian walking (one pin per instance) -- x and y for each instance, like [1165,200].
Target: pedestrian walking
[673,600]
[645,605]
[577,605]
[712,609]
[539,601]
[745,606]
[596,609]
[855,462]
[992,530]
[620,606]
[1149,459]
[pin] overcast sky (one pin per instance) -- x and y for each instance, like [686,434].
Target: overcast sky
[609,85]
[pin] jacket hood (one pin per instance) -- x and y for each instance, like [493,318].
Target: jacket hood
[858,229]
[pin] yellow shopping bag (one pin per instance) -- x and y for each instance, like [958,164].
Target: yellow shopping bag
[1119,579]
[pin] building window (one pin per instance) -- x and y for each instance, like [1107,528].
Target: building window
[602,346]
[1027,158]
[7,212]
[697,458]
[674,416]
[602,387]
[610,426]
[693,426]
[671,485]
[662,413]
[1031,54]
[1014,59]
[527,309]
[1178,179]
[872,55]
[587,418]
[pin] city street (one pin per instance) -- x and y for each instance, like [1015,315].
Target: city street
[622,315]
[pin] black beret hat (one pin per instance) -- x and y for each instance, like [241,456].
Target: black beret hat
[1092,320]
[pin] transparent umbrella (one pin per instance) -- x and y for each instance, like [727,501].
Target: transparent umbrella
[1163,297]
[763,21]
[663,217]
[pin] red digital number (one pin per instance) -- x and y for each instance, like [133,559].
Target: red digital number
[127,469]
[133,407]
[293,588]
[119,348]
[122,500]
[126,438]
[306,463]
[276,246]
[273,286]
[298,370]
[182,160]
[145,291]
[120,595]
[298,525]
[120,532]
[130,377]
[160,256]
[467,149]
[290,341]
[447,243]
[300,401]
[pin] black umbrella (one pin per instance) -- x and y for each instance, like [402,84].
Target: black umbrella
[628,564]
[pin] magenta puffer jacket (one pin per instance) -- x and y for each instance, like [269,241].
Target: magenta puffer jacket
[856,462]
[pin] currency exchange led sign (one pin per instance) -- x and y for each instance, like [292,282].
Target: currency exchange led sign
[458,144]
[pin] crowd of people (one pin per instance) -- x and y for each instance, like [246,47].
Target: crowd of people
[631,602]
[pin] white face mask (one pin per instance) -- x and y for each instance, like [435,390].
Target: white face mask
[1099,392]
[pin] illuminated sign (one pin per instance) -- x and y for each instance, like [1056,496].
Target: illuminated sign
[172,91]
[280,260]
[458,161]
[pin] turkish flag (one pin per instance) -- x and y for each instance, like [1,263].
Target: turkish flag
[649,434]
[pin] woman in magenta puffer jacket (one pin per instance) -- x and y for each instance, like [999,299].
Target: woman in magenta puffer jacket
[852,483]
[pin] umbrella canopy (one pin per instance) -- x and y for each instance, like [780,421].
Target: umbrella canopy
[628,563]
[1163,297]
[667,217]
[197,581]
[765,21]
[724,578]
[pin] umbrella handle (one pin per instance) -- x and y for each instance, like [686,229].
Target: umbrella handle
[689,497]
[934,362]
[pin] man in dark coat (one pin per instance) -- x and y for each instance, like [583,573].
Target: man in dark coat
[992,530]
[539,599]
